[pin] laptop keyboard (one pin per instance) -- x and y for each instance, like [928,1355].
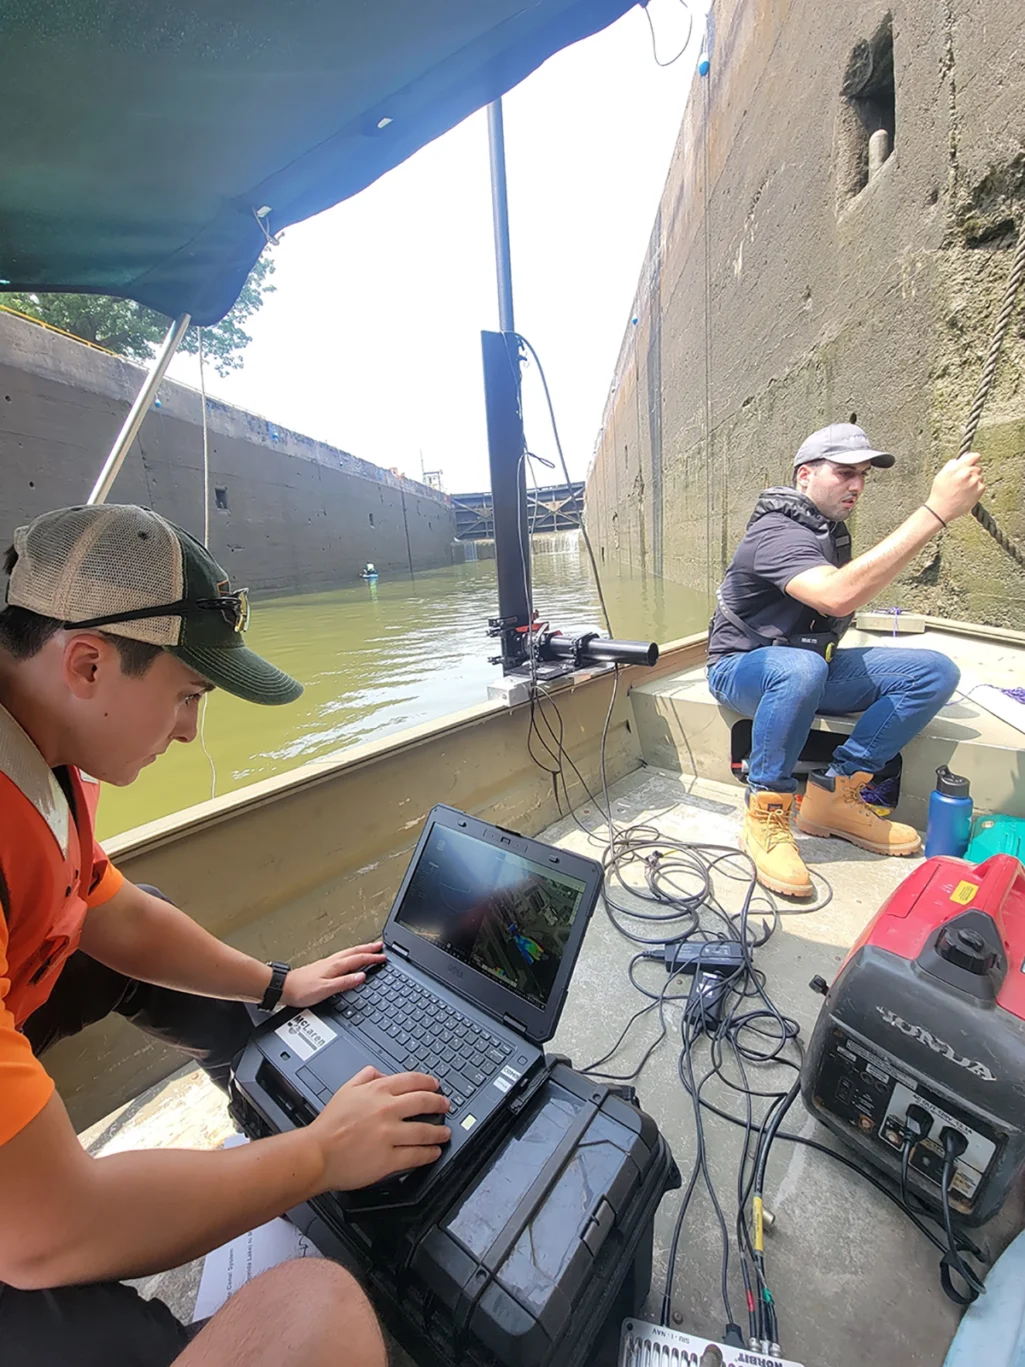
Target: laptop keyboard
[423,1033]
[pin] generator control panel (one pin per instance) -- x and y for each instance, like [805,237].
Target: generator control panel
[863,1089]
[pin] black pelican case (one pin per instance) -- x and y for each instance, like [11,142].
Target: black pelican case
[530,1258]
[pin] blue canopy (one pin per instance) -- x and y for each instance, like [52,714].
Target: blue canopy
[148,148]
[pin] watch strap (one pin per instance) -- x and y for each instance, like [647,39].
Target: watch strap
[271,998]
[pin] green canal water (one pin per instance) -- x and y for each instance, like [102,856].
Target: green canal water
[378,659]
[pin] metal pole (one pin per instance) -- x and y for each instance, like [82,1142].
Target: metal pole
[508,491]
[500,212]
[139,409]
[506,444]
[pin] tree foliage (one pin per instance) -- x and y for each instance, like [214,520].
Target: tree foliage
[124,327]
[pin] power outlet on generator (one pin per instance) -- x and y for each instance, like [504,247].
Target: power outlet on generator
[863,1091]
[975,1151]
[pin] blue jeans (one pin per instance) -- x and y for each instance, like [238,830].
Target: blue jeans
[897,691]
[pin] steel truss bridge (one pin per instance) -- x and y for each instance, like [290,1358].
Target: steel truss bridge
[556,508]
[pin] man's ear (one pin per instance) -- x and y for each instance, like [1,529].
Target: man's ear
[86,657]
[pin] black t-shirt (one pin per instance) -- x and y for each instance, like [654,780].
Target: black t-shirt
[777,546]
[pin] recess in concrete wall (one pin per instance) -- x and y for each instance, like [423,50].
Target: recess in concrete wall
[287,514]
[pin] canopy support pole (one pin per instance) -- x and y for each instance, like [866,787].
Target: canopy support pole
[500,214]
[139,409]
[506,443]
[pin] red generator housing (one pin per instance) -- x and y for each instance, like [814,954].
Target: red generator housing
[928,1013]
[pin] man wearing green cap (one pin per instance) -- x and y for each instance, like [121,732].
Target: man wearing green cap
[116,623]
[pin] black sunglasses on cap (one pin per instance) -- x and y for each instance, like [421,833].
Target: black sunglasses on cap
[233,607]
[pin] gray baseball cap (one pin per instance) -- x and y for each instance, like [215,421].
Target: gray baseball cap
[843,444]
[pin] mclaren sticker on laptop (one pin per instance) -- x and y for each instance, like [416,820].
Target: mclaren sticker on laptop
[305,1034]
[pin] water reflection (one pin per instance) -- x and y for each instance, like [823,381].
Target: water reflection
[377,658]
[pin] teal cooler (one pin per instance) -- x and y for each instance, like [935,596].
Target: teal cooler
[996,835]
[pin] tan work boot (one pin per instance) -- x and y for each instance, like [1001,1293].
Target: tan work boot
[769,841]
[834,806]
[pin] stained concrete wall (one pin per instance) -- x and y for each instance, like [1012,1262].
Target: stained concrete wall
[775,297]
[300,515]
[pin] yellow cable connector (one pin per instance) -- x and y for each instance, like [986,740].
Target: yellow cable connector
[758,1239]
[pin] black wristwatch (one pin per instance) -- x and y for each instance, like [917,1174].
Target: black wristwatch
[271,998]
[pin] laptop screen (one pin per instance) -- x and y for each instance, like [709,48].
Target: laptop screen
[501,913]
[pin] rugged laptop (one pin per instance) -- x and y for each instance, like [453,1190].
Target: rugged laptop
[481,942]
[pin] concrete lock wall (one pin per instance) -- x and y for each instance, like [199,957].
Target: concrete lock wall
[785,287]
[298,514]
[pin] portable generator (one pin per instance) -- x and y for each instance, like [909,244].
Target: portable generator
[918,1055]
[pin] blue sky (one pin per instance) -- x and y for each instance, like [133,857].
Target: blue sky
[372,339]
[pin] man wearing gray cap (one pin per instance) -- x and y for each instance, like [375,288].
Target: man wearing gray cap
[793,586]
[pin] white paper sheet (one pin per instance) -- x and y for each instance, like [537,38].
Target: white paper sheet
[228,1268]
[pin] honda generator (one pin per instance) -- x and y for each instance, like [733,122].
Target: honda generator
[918,1055]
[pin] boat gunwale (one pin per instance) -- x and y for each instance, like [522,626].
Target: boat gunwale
[674,655]
[139,840]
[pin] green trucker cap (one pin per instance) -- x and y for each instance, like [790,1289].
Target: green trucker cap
[133,573]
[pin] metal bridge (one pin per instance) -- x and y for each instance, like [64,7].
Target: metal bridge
[553,509]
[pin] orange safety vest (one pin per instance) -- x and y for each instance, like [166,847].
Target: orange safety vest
[51,872]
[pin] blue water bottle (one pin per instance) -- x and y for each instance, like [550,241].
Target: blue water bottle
[950,815]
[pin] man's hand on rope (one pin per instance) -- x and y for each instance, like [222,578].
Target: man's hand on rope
[958,487]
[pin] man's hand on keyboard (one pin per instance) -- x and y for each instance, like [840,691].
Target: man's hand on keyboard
[366,1131]
[337,973]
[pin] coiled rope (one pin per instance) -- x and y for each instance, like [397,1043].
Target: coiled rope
[982,515]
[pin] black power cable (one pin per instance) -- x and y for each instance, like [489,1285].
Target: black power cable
[526,345]
[905,1160]
[954,1144]
[757,1034]
[761,1160]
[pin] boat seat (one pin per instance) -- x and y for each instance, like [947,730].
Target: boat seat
[681,727]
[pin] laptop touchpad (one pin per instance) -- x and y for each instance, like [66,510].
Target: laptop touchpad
[340,1061]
